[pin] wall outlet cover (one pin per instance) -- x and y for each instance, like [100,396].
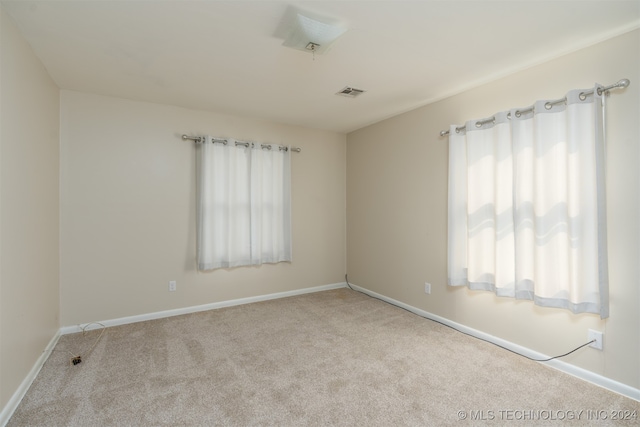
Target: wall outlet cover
[597,336]
[427,287]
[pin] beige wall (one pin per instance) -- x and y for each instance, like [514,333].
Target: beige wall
[124,182]
[397,211]
[29,209]
[128,219]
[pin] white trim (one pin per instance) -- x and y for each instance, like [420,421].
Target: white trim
[13,403]
[194,309]
[15,400]
[583,374]
[575,371]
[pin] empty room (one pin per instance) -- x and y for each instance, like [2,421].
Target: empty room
[290,213]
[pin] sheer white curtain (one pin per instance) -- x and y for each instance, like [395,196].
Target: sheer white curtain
[243,204]
[527,204]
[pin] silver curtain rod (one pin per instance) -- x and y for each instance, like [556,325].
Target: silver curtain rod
[620,84]
[243,143]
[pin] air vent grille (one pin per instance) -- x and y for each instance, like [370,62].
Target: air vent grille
[350,92]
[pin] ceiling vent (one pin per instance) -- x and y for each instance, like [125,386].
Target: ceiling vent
[350,92]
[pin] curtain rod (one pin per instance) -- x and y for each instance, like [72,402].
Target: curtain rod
[224,141]
[620,84]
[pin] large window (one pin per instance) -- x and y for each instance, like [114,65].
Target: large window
[244,204]
[527,204]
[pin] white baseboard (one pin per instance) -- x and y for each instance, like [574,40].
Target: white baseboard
[13,403]
[194,309]
[583,374]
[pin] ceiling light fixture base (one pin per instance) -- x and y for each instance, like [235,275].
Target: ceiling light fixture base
[310,32]
[312,46]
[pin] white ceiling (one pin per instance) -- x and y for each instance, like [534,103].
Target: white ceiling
[225,56]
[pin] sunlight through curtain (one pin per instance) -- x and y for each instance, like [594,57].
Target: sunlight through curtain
[243,204]
[527,204]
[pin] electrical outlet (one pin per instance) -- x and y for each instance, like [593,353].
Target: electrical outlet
[427,287]
[597,336]
[172,286]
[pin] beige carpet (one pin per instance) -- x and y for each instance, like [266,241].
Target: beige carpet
[329,358]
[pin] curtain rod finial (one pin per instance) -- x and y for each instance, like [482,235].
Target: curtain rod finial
[623,83]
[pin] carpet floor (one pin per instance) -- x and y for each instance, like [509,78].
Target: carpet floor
[337,358]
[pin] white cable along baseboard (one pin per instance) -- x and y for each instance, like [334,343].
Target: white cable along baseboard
[583,374]
[599,380]
[13,403]
[194,309]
